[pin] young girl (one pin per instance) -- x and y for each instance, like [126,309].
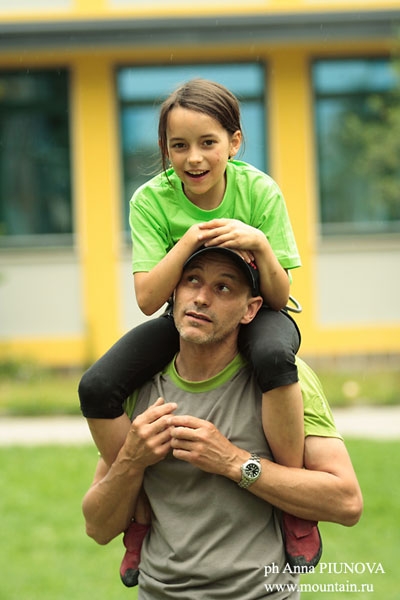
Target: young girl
[203,197]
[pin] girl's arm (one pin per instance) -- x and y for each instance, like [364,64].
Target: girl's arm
[231,233]
[154,288]
[274,280]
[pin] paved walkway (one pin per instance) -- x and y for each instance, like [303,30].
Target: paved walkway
[369,422]
[359,422]
[40,431]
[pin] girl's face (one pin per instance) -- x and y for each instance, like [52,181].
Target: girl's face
[199,148]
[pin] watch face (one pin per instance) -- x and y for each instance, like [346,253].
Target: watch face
[252,470]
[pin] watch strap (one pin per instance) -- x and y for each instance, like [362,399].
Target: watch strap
[246,481]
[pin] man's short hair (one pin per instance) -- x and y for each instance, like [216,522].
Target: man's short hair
[249,270]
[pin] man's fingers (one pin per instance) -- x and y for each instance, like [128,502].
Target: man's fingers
[185,421]
[159,409]
[159,401]
[153,423]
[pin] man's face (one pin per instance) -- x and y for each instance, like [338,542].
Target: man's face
[212,299]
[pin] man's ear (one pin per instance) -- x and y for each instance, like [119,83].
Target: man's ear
[253,306]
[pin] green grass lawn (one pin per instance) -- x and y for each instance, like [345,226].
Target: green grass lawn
[44,551]
[376,538]
[45,554]
[31,391]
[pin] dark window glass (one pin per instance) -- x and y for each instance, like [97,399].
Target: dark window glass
[35,184]
[357,122]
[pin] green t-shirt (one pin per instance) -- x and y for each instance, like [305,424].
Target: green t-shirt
[160,214]
[318,418]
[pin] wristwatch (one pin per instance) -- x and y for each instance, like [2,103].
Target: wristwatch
[251,471]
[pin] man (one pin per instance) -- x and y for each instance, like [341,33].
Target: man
[197,446]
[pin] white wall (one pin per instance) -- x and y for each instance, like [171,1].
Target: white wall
[40,294]
[358,282]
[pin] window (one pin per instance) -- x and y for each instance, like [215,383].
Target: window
[142,89]
[357,120]
[35,186]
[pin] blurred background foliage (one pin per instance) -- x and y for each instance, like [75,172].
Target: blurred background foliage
[29,389]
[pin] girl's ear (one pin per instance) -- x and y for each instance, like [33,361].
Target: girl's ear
[236,140]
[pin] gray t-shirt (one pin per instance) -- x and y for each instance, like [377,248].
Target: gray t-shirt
[210,539]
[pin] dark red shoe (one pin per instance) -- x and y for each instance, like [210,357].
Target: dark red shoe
[133,539]
[303,542]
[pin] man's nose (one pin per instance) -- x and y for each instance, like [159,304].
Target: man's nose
[203,296]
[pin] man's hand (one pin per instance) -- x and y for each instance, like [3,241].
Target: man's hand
[149,439]
[200,443]
[109,504]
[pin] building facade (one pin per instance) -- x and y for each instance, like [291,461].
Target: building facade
[79,86]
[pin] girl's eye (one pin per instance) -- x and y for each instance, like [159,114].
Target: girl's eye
[178,145]
[209,142]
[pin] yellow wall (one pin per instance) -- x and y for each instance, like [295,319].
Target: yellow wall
[97,191]
[88,9]
[97,197]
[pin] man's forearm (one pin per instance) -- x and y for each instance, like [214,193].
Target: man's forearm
[109,504]
[307,494]
[326,490]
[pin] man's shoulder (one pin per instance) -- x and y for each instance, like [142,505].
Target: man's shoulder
[138,398]
[318,418]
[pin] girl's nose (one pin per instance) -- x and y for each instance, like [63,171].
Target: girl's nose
[195,156]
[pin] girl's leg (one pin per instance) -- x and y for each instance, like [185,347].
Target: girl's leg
[133,360]
[270,343]
[283,424]
[133,540]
